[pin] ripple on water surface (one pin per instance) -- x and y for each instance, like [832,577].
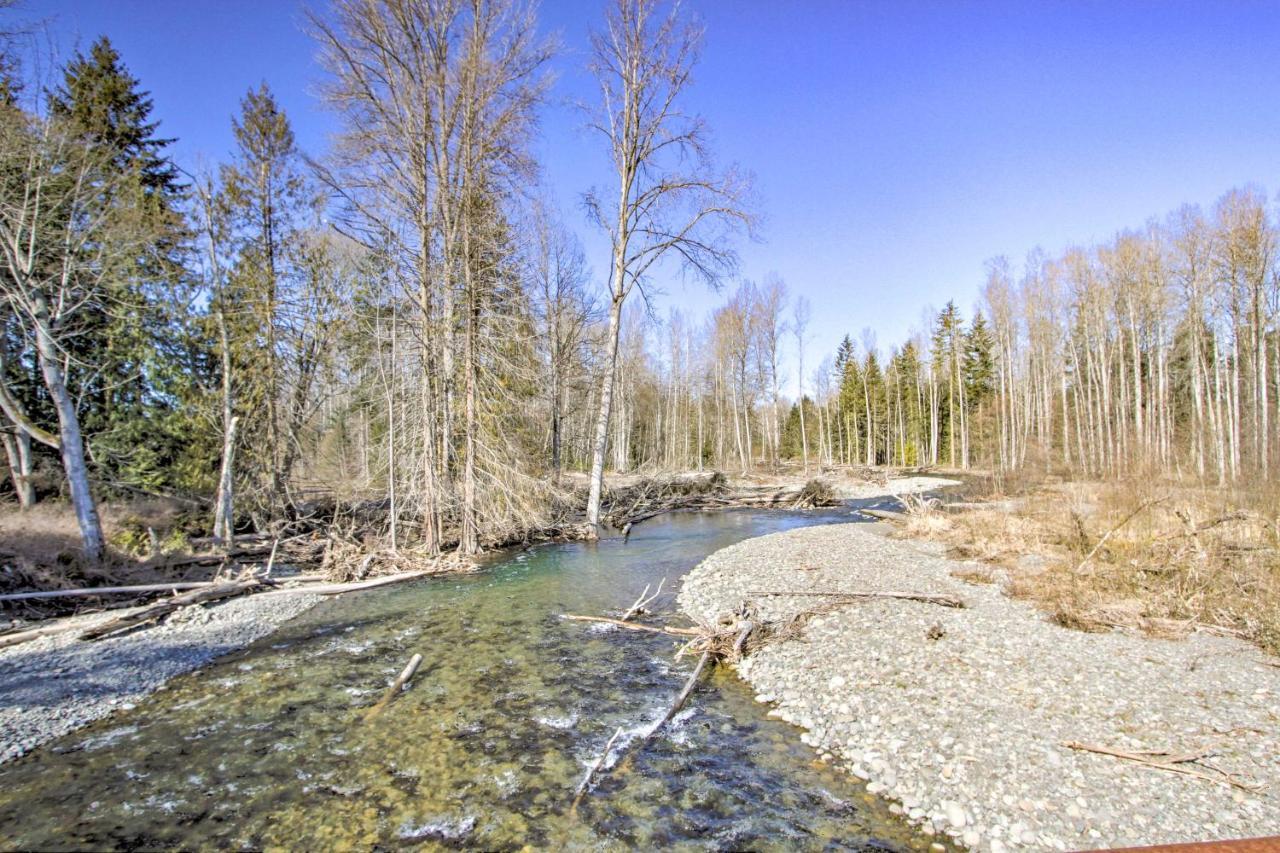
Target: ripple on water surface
[268,749]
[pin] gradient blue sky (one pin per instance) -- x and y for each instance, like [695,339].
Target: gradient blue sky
[897,145]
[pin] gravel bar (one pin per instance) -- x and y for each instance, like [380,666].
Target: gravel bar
[54,685]
[960,716]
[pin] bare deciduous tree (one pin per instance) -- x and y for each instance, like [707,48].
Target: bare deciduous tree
[669,200]
[61,238]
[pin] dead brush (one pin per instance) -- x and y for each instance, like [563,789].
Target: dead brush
[816,493]
[738,635]
[1162,557]
[923,517]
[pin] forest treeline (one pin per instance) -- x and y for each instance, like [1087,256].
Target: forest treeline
[403,320]
[399,318]
[1156,352]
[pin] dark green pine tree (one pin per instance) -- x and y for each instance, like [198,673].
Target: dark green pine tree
[792,442]
[844,354]
[979,362]
[268,198]
[907,369]
[979,380]
[133,359]
[948,357]
[873,409]
[849,377]
[102,101]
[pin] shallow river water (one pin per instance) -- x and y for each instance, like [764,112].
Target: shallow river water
[267,748]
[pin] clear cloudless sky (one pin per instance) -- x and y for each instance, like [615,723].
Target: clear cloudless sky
[897,145]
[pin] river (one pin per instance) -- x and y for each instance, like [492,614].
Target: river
[267,748]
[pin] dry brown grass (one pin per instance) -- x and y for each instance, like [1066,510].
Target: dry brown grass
[1163,556]
[40,547]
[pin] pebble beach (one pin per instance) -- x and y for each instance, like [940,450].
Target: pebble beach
[961,718]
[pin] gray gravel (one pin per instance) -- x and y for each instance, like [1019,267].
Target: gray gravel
[53,685]
[965,732]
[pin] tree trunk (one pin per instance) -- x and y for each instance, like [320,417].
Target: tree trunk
[70,440]
[17,446]
[224,510]
[601,442]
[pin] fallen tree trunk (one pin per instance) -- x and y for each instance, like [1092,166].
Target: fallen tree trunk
[591,772]
[339,588]
[682,697]
[928,598]
[59,626]
[291,549]
[82,592]
[164,608]
[884,514]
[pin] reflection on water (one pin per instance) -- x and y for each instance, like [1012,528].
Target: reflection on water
[267,748]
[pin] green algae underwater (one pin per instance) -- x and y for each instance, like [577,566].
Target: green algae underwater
[267,748]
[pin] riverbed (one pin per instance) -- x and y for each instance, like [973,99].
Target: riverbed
[267,748]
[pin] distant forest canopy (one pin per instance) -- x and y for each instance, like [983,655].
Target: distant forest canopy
[400,318]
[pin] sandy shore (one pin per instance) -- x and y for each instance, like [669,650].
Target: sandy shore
[962,716]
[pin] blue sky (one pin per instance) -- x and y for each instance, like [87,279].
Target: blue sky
[897,145]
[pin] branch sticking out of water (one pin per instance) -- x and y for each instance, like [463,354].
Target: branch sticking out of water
[396,686]
[591,772]
[681,698]
[642,602]
[634,626]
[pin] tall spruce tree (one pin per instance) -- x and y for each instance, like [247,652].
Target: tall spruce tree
[128,361]
[948,356]
[266,190]
[979,361]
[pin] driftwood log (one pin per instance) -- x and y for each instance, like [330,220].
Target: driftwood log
[169,605]
[201,592]
[927,598]
[1171,762]
[339,588]
[83,592]
[396,687]
[634,626]
[884,514]
[60,626]
[591,772]
[682,697]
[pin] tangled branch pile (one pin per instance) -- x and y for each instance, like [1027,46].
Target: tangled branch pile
[653,496]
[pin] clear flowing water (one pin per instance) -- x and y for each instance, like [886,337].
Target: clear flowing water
[267,748]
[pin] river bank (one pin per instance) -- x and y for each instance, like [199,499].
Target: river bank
[961,716]
[54,685]
[269,747]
